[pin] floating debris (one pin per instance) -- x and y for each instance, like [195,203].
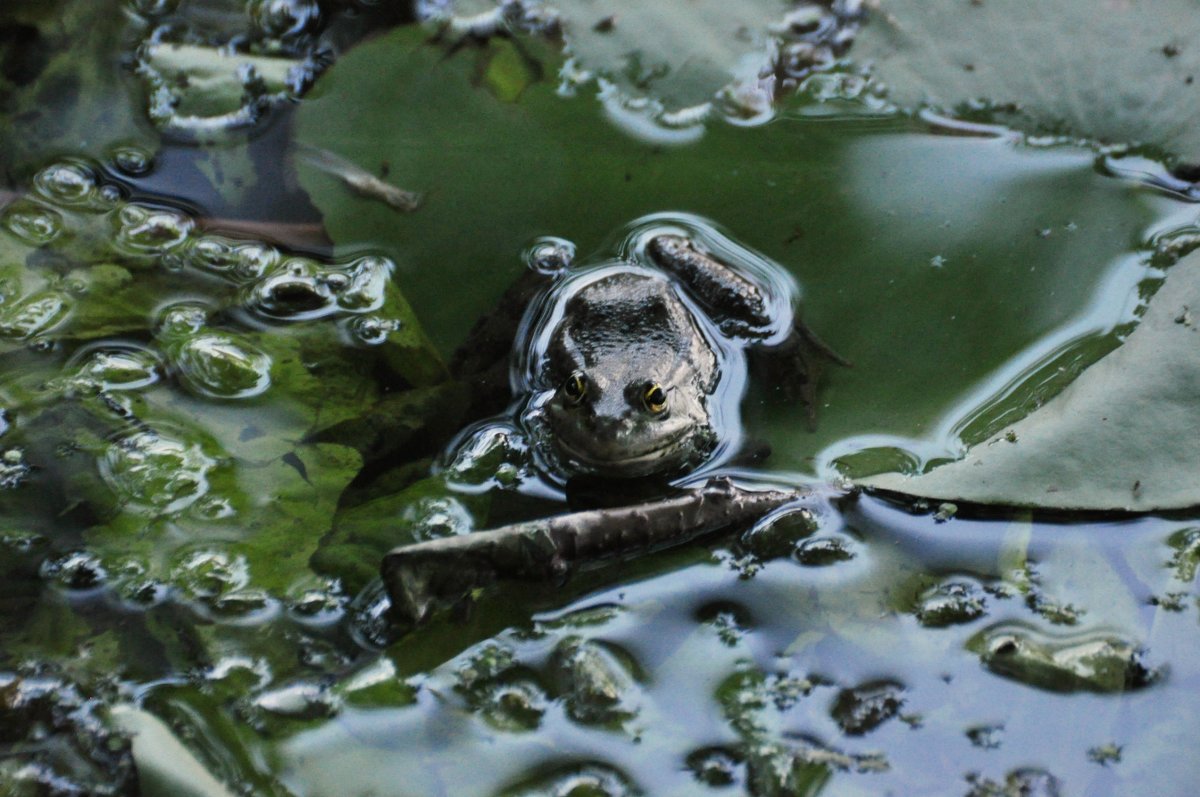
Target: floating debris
[864,708]
[1093,662]
[423,576]
[359,180]
[951,603]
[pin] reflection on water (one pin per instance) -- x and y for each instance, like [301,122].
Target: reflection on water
[698,671]
[208,441]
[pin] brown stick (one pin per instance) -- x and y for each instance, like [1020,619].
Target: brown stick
[423,577]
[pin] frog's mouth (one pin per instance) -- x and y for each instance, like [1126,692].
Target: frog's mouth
[664,453]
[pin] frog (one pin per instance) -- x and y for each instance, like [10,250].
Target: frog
[621,381]
[631,369]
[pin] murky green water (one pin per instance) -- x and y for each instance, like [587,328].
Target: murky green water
[223,397]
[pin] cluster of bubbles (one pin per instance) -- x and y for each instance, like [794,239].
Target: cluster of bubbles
[595,683]
[247,63]
[76,750]
[572,667]
[274,287]
[279,288]
[206,341]
[803,44]
[69,185]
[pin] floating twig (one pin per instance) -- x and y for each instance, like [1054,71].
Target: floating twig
[358,179]
[423,577]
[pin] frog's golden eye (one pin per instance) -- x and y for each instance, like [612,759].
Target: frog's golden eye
[575,388]
[655,398]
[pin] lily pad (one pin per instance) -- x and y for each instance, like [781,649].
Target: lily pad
[649,51]
[1120,72]
[1116,438]
[932,238]
[233,546]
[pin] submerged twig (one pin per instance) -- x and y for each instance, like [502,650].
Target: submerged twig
[358,179]
[425,576]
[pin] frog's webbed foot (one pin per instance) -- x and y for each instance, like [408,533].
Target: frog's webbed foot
[794,366]
[740,305]
[736,302]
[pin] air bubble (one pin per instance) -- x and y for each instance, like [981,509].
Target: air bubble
[156,473]
[596,685]
[494,455]
[150,231]
[32,223]
[219,366]
[316,603]
[373,330]
[715,767]
[13,467]
[592,780]
[516,705]
[70,184]
[280,19]
[551,256]
[241,260]
[293,293]
[109,195]
[33,314]
[181,320]
[217,580]
[951,603]
[435,517]
[76,570]
[368,282]
[208,575]
[824,551]
[132,161]
[337,281]
[127,368]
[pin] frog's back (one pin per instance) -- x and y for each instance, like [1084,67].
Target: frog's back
[636,317]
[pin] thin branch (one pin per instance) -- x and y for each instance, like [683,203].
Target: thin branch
[423,577]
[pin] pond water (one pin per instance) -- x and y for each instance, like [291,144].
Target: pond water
[228,297]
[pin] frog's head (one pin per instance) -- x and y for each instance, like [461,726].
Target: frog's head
[620,420]
[632,378]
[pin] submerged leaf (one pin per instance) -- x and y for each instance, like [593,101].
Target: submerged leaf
[63,86]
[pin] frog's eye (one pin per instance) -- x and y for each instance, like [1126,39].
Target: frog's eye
[575,388]
[655,398]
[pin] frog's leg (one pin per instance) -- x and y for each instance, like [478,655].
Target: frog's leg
[795,366]
[739,305]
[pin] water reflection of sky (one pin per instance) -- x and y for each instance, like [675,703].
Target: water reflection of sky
[691,631]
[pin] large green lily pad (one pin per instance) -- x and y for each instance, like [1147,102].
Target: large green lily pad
[1118,437]
[1121,72]
[930,262]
